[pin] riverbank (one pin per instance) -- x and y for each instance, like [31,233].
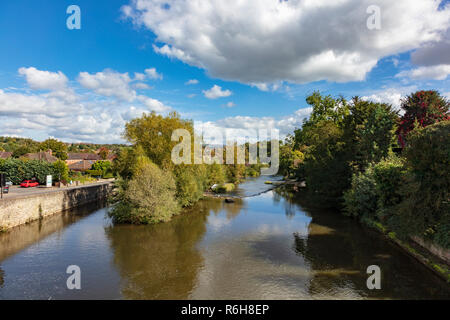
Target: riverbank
[19,209]
[432,257]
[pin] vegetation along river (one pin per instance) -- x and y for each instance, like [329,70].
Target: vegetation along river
[266,246]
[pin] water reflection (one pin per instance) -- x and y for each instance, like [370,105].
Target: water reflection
[23,236]
[158,262]
[271,246]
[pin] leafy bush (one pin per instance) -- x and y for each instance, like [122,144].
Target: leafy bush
[94,173]
[426,207]
[149,197]
[374,193]
[17,170]
[361,199]
[224,188]
[61,171]
[190,182]
[101,165]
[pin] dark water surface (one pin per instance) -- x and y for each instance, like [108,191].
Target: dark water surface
[262,247]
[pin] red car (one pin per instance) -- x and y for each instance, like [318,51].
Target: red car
[29,183]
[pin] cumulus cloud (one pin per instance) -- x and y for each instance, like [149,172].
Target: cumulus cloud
[190,82]
[241,127]
[153,104]
[391,96]
[108,83]
[153,74]
[141,85]
[216,92]
[139,76]
[298,41]
[230,104]
[438,72]
[44,80]
[90,116]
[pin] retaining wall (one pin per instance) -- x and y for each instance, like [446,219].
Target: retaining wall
[21,210]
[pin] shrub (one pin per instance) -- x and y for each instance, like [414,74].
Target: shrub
[425,209]
[149,197]
[190,182]
[224,188]
[374,193]
[94,173]
[61,171]
[361,199]
[17,170]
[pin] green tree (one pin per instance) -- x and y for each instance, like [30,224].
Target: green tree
[21,151]
[59,149]
[61,171]
[154,134]
[149,197]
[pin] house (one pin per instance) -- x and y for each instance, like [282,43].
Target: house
[5,155]
[84,161]
[81,161]
[80,165]
[42,156]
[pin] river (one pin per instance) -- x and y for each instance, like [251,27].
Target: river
[265,246]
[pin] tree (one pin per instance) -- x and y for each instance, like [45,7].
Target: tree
[21,151]
[426,209]
[61,170]
[154,134]
[369,132]
[149,197]
[421,108]
[59,149]
[101,165]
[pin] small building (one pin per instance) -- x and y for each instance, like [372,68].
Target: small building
[5,155]
[80,165]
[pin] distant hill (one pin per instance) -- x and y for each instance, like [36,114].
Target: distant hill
[11,144]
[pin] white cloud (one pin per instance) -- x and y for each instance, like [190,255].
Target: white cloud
[44,80]
[141,85]
[216,92]
[230,104]
[391,96]
[90,116]
[139,76]
[108,83]
[153,104]
[153,74]
[239,127]
[438,72]
[299,41]
[192,81]
[132,113]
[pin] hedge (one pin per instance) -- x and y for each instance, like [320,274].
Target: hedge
[17,170]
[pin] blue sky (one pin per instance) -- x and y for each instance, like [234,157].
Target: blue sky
[265,56]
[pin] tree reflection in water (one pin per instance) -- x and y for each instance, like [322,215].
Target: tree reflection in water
[158,261]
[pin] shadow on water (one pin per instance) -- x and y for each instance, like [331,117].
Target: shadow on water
[20,237]
[158,261]
[339,250]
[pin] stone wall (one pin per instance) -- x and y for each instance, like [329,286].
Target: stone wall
[17,211]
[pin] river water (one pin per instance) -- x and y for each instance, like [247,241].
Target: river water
[267,246]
